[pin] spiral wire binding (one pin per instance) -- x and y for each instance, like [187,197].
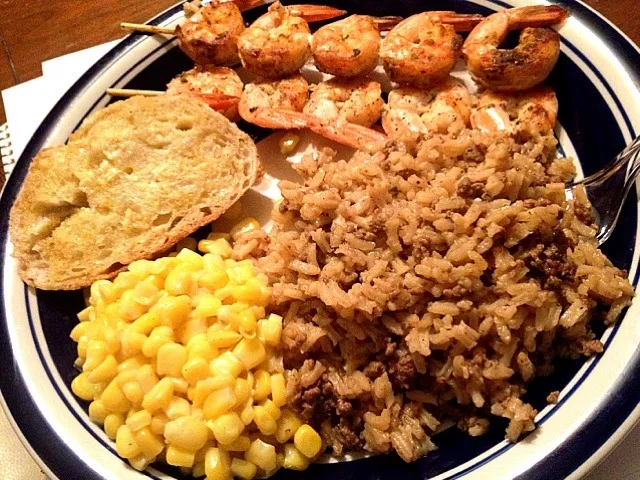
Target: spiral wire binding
[6,151]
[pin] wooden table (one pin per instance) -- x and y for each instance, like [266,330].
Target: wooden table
[33,32]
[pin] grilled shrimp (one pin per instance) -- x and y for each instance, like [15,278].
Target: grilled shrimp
[211,35]
[411,113]
[349,47]
[526,65]
[529,113]
[422,50]
[278,105]
[342,100]
[277,43]
[219,87]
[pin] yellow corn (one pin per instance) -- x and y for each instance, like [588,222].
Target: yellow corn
[112,340]
[114,399]
[208,306]
[140,462]
[173,310]
[273,410]
[263,420]
[243,469]
[278,390]
[192,328]
[96,353]
[248,323]
[133,391]
[288,425]
[223,338]
[226,428]
[217,464]
[132,363]
[171,358]
[126,445]
[145,323]
[246,413]
[146,293]
[129,308]
[242,390]
[132,342]
[261,454]
[195,370]
[288,143]
[244,226]
[202,350]
[146,377]
[150,443]
[138,420]
[158,422]
[270,329]
[159,396]
[262,387]
[293,459]
[307,441]
[83,388]
[219,402]
[178,407]
[218,246]
[179,282]
[250,352]
[240,444]
[186,432]
[190,257]
[112,423]
[205,387]
[213,280]
[227,364]
[98,412]
[179,457]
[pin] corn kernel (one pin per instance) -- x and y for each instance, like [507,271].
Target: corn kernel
[218,246]
[105,372]
[207,386]
[98,412]
[293,459]
[150,443]
[138,420]
[288,143]
[246,412]
[202,350]
[240,444]
[219,402]
[186,432]
[84,316]
[114,399]
[140,268]
[145,323]
[129,308]
[273,410]
[112,340]
[244,226]
[226,314]
[226,428]
[173,310]
[112,423]
[270,329]
[125,280]
[146,377]
[178,407]
[131,342]
[223,338]
[179,281]
[226,364]
[262,455]
[145,293]
[195,370]
[262,387]
[132,363]
[288,425]
[126,445]
[254,292]
[208,306]
[242,390]
[192,328]
[96,353]
[140,462]
[213,280]
[217,464]
[248,322]
[180,385]
[158,422]
[243,469]
[307,440]
[263,420]
[134,392]
[179,457]
[83,388]
[171,358]
[159,396]
[250,352]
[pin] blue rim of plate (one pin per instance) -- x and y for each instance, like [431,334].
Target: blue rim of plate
[61,462]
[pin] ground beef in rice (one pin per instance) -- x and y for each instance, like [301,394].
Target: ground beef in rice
[431,287]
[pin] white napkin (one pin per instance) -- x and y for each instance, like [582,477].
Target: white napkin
[28,103]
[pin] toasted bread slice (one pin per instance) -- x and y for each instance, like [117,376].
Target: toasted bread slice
[133,180]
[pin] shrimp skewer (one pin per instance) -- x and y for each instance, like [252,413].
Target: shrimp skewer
[526,65]
[422,50]
[526,114]
[350,47]
[210,36]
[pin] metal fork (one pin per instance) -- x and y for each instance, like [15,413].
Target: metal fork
[608,188]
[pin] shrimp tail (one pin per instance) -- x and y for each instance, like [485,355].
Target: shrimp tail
[461,22]
[385,24]
[315,13]
[274,119]
[218,101]
[350,134]
[536,16]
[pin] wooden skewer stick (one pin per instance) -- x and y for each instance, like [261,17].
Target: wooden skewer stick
[130,92]
[138,27]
